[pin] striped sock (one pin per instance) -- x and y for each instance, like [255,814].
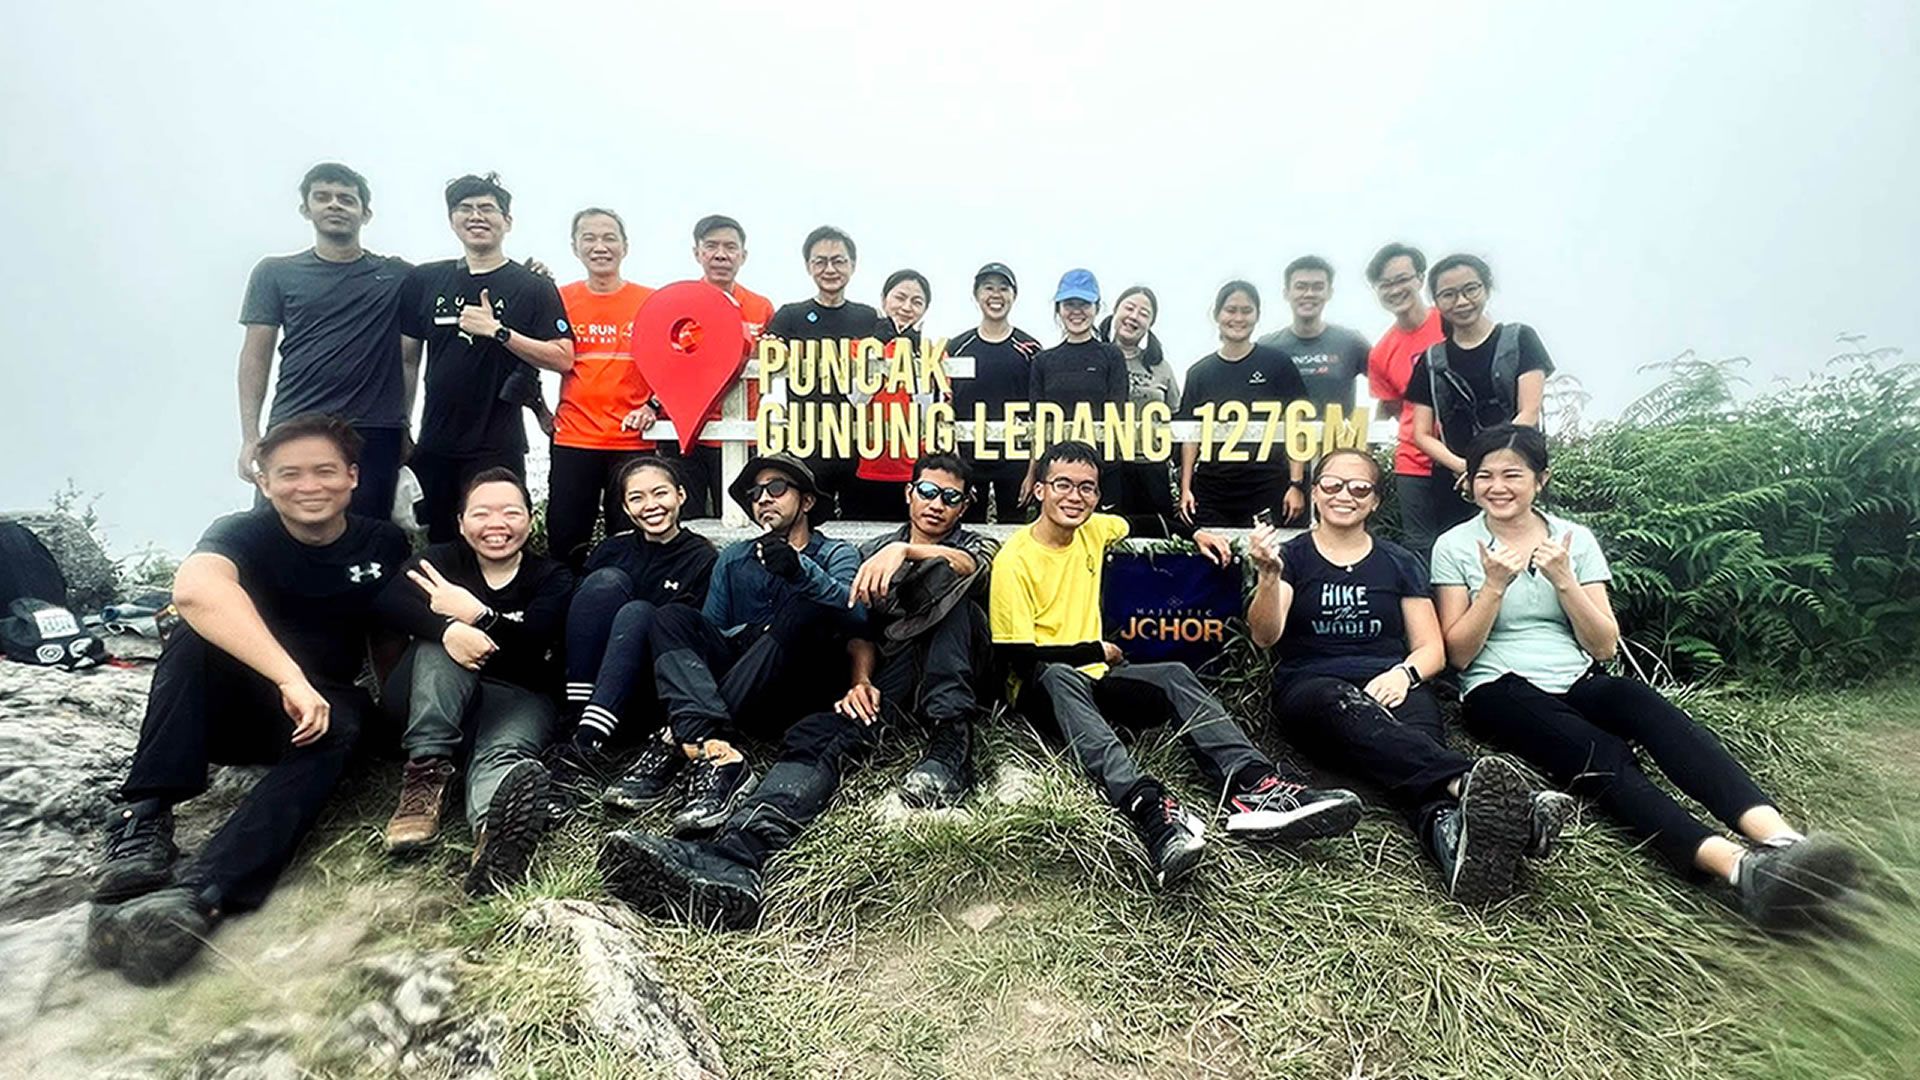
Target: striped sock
[600,719]
[579,693]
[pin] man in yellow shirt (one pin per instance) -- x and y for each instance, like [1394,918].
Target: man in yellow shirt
[1044,608]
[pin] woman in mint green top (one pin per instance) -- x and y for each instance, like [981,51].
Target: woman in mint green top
[1522,599]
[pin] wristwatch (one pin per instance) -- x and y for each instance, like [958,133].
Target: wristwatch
[487,618]
[1413,675]
[502,335]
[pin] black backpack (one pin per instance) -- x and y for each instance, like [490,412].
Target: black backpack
[27,568]
[36,632]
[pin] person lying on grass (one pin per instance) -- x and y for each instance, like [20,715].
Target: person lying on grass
[1358,640]
[1044,610]
[478,679]
[1522,598]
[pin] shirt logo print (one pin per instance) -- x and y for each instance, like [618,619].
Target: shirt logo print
[365,572]
[1258,378]
[670,585]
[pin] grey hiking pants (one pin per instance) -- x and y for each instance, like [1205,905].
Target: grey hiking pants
[448,708]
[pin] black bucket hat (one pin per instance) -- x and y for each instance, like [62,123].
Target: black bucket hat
[795,470]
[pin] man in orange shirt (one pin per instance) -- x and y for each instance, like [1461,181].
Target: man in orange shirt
[1427,507]
[720,247]
[605,404]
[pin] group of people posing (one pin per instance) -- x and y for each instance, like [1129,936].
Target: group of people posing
[642,671]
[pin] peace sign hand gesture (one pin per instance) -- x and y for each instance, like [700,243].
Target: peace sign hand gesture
[444,597]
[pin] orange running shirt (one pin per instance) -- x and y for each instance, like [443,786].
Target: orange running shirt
[1389,367]
[605,384]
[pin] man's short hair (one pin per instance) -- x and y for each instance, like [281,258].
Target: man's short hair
[470,186]
[333,172]
[713,223]
[825,233]
[1071,450]
[498,474]
[1307,262]
[308,425]
[574,229]
[951,463]
[1377,266]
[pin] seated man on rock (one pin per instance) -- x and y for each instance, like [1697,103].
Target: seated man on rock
[1045,614]
[920,661]
[767,647]
[277,604]
[479,677]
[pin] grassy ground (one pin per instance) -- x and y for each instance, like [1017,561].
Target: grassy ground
[1018,939]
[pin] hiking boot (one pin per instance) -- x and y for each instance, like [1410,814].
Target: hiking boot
[1174,836]
[1274,809]
[945,775]
[576,775]
[1478,843]
[150,937]
[712,793]
[516,818]
[140,853]
[423,799]
[1789,885]
[1552,812]
[664,878]
[650,778]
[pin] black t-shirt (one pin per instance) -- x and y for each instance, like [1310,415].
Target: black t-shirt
[1265,374]
[1346,623]
[1328,364]
[1475,367]
[675,572]
[1091,372]
[463,413]
[530,612]
[317,600]
[807,320]
[340,341]
[1002,371]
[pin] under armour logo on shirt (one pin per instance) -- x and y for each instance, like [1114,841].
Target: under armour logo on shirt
[670,585]
[368,572]
[514,616]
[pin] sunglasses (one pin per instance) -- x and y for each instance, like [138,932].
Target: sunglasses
[1333,485]
[930,491]
[772,489]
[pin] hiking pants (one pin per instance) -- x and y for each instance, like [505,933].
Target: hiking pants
[1402,750]
[610,652]
[448,709]
[580,486]
[717,686]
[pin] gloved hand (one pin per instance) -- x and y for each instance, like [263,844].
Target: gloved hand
[778,556]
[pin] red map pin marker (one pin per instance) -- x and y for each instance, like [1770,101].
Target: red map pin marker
[690,345]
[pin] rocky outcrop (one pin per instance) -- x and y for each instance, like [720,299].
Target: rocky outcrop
[626,1001]
[93,581]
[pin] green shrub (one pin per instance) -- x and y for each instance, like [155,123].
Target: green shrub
[1775,538]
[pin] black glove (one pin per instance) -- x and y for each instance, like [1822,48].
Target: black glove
[778,556]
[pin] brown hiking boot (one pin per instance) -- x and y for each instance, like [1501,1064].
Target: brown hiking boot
[423,796]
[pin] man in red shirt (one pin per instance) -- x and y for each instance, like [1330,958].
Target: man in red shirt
[1428,506]
[720,247]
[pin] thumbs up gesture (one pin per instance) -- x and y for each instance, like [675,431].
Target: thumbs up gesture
[1550,558]
[476,320]
[1501,565]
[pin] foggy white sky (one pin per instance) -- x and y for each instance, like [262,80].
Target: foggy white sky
[1644,178]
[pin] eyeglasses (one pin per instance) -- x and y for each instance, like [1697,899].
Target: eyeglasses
[836,262]
[1400,282]
[930,491]
[772,489]
[1472,290]
[1309,288]
[1063,487]
[1333,485]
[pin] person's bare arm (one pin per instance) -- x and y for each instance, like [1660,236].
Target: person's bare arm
[1272,593]
[207,593]
[1426,435]
[1189,454]
[256,363]
[555,355]
[1529,392]
[1426,647]
[410,371]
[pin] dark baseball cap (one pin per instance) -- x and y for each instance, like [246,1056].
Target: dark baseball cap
[993,268]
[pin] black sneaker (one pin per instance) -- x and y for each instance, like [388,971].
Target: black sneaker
[945,775]
[712,793]
[1174,836]
[1789,886]
[1552,812]
[650,778]
[140,853]
[516,817]
[150,937]
[664,878]
[1479,842]
[1274,809]
[576,775]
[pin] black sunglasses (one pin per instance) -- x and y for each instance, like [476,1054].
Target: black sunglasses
[930,491]
[1331,485]
[772,489]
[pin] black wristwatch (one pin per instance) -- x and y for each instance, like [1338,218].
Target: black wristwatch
[1413,675]
[487,618]
[502,335]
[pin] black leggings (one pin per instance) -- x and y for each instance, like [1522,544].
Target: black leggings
[1584,740]
[1403,751]
[579,489]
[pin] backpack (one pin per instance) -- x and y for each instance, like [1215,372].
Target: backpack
[1454,400]
[27,568]
[41,633]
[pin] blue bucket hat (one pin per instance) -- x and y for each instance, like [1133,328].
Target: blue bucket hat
[1077,285]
